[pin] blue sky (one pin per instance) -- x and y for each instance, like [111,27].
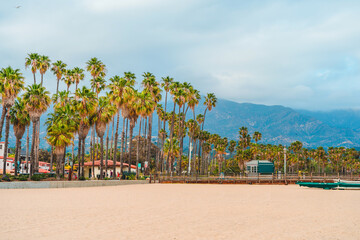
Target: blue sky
[301,54]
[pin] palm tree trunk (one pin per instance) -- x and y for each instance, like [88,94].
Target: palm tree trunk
[16,155]
[63,164]
[79,157]
[42,78]
[92,160]
[83,158]
[157,164]
[122,147]
[137,150]
[57,87]
[149,140]
[130,145]
[27,148]
[101,157]
[51,158]
[4,111]
[115,146]
[107,151]
[34,78]
[37,141]
[59,158]
[126,135]
[171,132]
[32,159]
[7,128]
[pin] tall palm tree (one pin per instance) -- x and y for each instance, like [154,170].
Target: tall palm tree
[37,101]
[86,105]
[121,91]
[44,65]
[104,114]
[33,60]
[68,78]
[97,69]
[60,133]
[78,75]
[11,83]
[20,119]
[210,103]
[144,105]
[171,149]
[58,68]
[132,115]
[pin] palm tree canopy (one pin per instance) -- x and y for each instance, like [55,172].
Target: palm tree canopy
[44,64]
[36,100]
[19,114]
[58,68]
[11,83]
[32,60]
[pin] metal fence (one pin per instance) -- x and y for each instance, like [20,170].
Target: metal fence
[253,179]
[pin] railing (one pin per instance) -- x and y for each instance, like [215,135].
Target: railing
[253,179]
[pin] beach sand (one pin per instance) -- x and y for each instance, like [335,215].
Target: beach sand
[180,211]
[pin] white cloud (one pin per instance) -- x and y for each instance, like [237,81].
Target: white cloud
[272,52]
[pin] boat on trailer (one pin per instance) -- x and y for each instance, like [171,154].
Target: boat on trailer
[337,184]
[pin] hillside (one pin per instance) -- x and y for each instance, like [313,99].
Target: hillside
[278,124]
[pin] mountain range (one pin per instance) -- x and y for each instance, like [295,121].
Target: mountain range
[277,124]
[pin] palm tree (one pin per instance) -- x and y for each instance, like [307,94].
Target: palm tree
[120,92]
[78,75]
[98,71]
[104,115]
[132,115]
[59,69]
[151,85]
[20,119]
[11,83]
[171,149]
[85,105]
[59,135]
[44,65]
[210,103]
[33,60]
[37,101]
[68,78]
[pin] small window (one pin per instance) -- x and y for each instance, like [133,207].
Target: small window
[0,146]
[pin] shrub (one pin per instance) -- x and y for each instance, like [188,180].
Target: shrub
[106,178]
[36,177]
[23,178]
[82,178]
[6,178]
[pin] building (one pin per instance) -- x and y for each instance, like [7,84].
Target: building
[44,167]
[259,167]
[10,164]
[88,168]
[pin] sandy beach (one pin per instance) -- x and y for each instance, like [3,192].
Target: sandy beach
[165,211]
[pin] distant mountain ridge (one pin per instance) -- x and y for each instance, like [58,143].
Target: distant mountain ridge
[277,124]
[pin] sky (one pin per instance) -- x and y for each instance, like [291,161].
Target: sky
[300,54]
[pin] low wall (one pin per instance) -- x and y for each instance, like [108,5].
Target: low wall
[68,184]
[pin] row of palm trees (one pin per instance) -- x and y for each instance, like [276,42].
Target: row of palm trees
[318,160]
[95,109]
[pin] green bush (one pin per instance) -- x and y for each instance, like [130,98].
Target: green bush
[23,178]
[82,178]
[106,178]
[36,177]
[6,178]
